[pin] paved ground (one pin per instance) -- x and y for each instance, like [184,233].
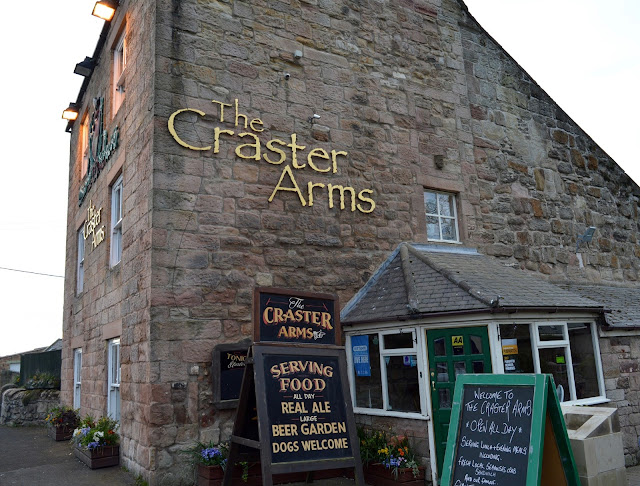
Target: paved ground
[28,457]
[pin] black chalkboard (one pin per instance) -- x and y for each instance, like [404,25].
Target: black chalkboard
[304,413]
[497,433]
[290,316]
[229,361]
[494,435]
[306,408]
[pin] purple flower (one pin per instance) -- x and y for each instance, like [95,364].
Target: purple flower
[93,445]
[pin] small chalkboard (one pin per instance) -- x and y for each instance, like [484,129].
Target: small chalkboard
[497,433]
[290,316]
[229,361]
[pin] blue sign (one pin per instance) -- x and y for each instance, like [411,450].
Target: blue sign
[360,353]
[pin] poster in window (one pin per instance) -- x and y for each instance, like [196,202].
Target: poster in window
[360,352]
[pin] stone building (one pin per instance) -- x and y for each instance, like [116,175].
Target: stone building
[229,144]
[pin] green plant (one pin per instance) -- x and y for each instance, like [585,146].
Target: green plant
[210,454]
[372,442]
[63,416]
[140,481]
[42,381]
[394,453]
[92,434]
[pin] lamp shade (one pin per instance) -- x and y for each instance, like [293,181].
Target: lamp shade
[84,68]
[71,113]
[105,9]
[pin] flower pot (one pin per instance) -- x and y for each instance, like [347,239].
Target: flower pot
[381,476]
[59,432]
[100,457]
[213,476]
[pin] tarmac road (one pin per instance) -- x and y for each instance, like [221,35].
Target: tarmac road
[28,457]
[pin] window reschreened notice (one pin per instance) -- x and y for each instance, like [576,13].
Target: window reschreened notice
[306,410]
[494,436]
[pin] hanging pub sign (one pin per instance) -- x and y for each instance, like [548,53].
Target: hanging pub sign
[507,430]
[289,316]
[100,148]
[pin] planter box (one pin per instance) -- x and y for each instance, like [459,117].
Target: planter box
[381,476]
[101,457]
[59,432]
[213,476]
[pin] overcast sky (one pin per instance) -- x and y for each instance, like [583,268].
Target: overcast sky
[584,53]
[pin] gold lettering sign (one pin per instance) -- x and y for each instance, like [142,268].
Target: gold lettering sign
[277,152]
[92,226]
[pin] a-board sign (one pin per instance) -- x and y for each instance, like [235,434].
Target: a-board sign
[290,316]
[497,433]
[229,361]
[306,413]
[305,417]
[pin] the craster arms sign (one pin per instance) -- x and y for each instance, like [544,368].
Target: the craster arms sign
[290,154]
[288,316]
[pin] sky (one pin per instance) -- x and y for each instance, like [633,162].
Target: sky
[584,53]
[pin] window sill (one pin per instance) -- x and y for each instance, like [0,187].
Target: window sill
[451,242]
[390,413]
[587,401]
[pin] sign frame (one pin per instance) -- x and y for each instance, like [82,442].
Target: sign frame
[546,415]
[258,334]
[216,373]
[253,380]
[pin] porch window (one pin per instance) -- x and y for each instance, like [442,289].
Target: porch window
[567,351]
[385,371]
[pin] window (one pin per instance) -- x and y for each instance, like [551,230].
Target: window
[568,351]
[119,63]
[84,147]
[385,371]
[113,398]
[77,376]
[80,264]
[442,219]
[116,223]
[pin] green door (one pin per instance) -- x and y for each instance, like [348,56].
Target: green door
[452,352]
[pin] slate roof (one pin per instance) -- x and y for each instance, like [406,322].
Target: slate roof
[422,280]
[623,303]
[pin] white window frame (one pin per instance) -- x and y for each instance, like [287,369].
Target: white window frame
[115,253]
[417,349]
[77,377]
[537,344]
[113,378]
[119,66]
[80,263]
[440,216]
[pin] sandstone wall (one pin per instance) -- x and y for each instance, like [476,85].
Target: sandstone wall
[419,97]
[115,301]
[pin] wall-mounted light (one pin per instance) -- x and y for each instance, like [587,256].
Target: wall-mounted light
[105,9]
[71,113]
[313,118]
[585,238]
[84,68]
